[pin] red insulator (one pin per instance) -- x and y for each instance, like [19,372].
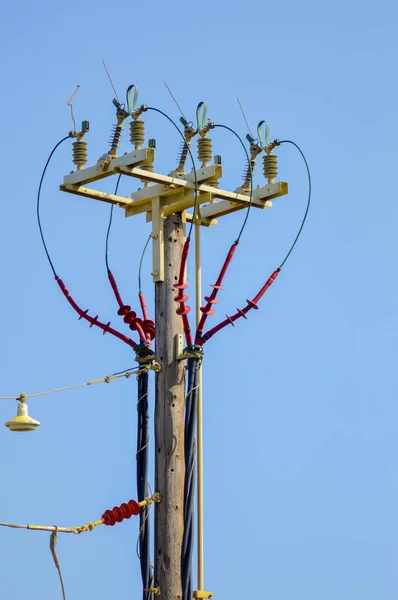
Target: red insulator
[119,513]
[150,334]
[94,320]
[83,314]
[181,297]
[129,317]
[252,304]
[201,339]
[135,323]
[230,320]
[123,310]
[207,310]
[183,310]
[211,300]
[180,286]
[149,328]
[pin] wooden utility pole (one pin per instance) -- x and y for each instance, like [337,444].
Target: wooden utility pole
[164,199]
[169,420]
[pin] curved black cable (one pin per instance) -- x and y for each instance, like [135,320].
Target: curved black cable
[308,200]
[140,266]
[195,206]
[251,178]
[110,225]
[193,368]
[38,203]
[142,480]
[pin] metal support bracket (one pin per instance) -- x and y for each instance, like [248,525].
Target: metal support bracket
[202,595]
[157,241]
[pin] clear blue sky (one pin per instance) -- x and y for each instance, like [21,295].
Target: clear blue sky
[300,400]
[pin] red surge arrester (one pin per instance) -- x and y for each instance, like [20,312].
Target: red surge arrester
[83,314]
[208,309]
[240,312]
[181,298]
[146,327]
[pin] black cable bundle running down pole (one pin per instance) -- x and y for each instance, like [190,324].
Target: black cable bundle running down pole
[142,480]
[193,368]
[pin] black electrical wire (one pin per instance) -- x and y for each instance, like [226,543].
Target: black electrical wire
[308,200]
[110,225]
[193,368]
[195,207]
[38,203]
[124,371]
[142,480]
[140,267]
[251,179]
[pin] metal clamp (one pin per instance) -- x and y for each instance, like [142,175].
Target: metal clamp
[202,595]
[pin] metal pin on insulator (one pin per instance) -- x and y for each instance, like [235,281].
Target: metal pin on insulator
[137,133]
[270,166]
[205,152]
[79,153]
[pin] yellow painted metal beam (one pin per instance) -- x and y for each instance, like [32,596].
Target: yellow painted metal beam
[96,195]
[96,172]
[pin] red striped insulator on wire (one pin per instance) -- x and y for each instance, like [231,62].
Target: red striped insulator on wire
[94,320]
[230,320]
[129,317]
[119,513]
[149,328]
[183,310]
[180,286]
[211,300]
[181,297]
[207,310]
[83,314]
[251,304]
[135,324]
[123,310]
